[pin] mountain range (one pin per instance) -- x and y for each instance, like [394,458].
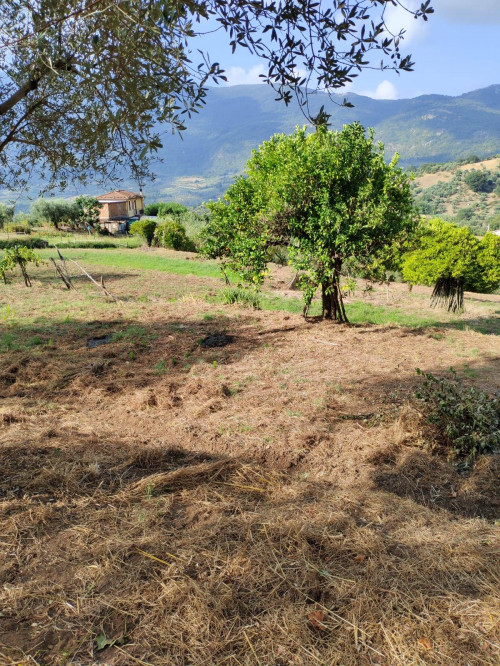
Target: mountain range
[219,139]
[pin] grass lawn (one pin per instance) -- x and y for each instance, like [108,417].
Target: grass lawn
[413,310]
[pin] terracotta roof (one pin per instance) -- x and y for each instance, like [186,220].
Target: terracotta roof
[118,195]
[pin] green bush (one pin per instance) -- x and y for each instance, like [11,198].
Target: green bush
[171,208]
[478,180]
[151,209]
[145,228]
[466,420]
[95,245]
[17,228]
[32,243]
[239,296]
[172,235]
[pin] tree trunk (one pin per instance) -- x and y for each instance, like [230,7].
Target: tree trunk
[331,294]
[449,292]
[27,280]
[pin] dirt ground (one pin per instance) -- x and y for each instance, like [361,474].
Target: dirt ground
[273,501]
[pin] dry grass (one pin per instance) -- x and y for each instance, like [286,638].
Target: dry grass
[274,502]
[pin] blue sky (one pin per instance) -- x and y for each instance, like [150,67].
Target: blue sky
[456,51]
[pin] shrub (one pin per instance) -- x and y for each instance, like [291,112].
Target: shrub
[239,296]
[17,228]
[95,245]
[171,208]
[172,234]
[466,420]
[478,180]
[18,256]
[151,209]
[33,243]
[145,228]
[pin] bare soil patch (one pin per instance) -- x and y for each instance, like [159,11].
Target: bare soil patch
[270,501]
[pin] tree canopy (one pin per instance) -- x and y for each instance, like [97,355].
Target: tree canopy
[327,196]
[453,259]
[86,86]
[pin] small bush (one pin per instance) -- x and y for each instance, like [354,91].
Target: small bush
[151,209]
[17,228]
[94,245]
[239,296]
[32,243]
[467,420]
[172,235]
[145,228]
[171,208]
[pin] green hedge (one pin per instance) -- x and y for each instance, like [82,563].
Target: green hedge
[33,243]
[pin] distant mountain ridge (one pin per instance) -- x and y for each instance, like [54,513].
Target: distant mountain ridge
[219,140]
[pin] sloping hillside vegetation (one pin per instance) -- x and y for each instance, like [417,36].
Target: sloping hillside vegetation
[203,163]
[465,191]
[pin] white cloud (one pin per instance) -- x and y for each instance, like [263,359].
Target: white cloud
[464,11]
[384,90]
[238,76]
[398,19]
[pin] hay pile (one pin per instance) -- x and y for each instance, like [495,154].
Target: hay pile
[166,557]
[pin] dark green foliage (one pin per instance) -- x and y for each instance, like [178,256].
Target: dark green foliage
[33,243]
[171,208]
[145,228]
[478,180]
[95,245]
[467,420]
[152,209]
[172,234]
[465,214]
[87,213]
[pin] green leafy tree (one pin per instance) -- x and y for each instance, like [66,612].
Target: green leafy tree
[453,260]
[328,197]
[53,211]
[171,208]
[151,209]
[6,214]
[478,180]
[489,263]
[88,212]
[18,256]
[86,84]
[145,228]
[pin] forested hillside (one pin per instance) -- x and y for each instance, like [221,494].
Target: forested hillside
[467,191]
[218,141]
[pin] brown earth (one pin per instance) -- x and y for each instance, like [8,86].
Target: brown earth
[274,501]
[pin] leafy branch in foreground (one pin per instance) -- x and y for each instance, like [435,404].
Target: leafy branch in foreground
[86,86]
